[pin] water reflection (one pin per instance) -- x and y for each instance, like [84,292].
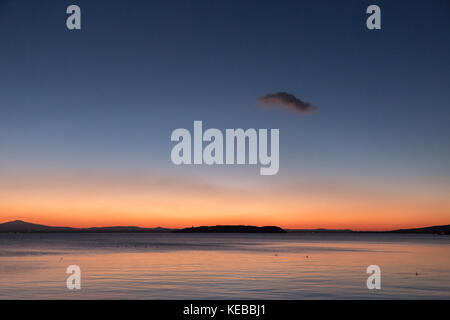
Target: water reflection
[186,266]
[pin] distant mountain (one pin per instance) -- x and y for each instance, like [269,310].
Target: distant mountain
[20,226]
[26,227]
[434,229]
[319,230]
[120,229]
[445,230]
[232,229]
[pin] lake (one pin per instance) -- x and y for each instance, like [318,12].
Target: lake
[224,266]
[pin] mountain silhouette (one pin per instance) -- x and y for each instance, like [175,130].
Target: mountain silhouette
[20,226]
[26,227]
[434,229]
[233,229]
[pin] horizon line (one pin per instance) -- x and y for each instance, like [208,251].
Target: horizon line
[160,227]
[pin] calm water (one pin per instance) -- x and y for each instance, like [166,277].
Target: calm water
[214,266]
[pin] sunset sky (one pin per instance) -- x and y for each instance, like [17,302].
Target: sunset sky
[86,116]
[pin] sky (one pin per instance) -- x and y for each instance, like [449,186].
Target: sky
[86,115]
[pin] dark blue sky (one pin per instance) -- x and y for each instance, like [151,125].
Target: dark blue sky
[110,95]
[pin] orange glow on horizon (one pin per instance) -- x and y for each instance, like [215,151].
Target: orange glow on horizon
[162,208]
[99,199]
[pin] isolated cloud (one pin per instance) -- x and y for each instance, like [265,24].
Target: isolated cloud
[287,100]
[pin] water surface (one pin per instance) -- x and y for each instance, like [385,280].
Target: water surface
[224,266]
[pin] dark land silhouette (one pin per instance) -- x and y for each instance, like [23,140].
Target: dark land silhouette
[232,229]
[19,226]
[434,229]
[26,227]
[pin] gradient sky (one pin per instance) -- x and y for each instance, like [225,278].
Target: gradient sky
[86,116]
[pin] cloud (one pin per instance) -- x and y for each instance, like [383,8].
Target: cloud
[287,100]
